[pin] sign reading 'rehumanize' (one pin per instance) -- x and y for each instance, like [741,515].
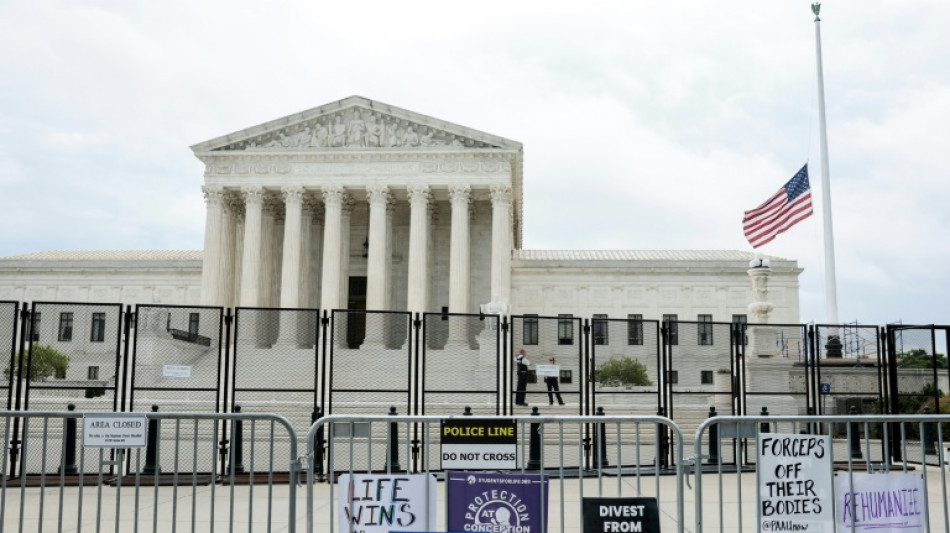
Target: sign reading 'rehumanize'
[621,515]
[479,444]
[795,491]
[383,503]
[880,502]
[106,430]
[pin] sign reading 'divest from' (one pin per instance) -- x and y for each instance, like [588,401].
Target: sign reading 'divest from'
[121,430]
[795,490]
[479,444]
[621,515]
[176,371]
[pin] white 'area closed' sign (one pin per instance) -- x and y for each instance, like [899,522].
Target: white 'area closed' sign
[114,430]
[176,371]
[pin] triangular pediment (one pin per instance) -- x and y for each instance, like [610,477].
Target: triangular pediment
[355,123]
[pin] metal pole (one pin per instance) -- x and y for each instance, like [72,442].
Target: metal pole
[831,290]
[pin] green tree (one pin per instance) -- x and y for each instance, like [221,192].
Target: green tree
[918,358]
[42,362]
[623,371]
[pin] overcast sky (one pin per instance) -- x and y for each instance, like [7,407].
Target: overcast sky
[661,121]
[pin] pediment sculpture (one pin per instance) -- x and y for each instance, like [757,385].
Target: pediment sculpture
[355,128]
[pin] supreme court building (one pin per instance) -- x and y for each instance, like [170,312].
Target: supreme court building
[362,205]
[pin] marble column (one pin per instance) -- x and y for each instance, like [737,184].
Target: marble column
[378,197]
[459,196]
[501,246]
[333,198]
[210,265]
[228,246]
[417,296]
[251,250]
[345,244]
[290,266]
[267,276]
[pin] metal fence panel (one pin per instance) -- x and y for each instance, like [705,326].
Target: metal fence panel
[177,366]
[776,373]
[115,489]
[8,338]
[615,346]
[559,445]
[274,364]
[859,350]
[727,497]
[543,338]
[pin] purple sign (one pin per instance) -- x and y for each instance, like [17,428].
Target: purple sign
[497,503]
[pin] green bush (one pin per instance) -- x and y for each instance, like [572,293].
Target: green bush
[43,362]
[623,371]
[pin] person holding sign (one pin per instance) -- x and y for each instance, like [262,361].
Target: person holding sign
[522,363]
[551,382]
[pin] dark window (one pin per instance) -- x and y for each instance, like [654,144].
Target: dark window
[98,333]
[35,327]
[672,377]
[706,377]
[635,329]
[530,330]
[65,327]
[193,319]
[600,330]
[741,321]
[567,376]
[93,373]
[704,332]
[565,329]
[670,322]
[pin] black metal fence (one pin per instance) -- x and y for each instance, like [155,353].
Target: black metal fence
[302,363]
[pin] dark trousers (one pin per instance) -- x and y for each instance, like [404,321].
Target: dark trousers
[522,385]
[552,390]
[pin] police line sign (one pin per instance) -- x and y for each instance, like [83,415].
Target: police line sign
[479,444]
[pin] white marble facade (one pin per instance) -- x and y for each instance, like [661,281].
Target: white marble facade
[428,212]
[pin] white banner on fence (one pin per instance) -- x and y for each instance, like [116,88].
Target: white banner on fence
[383,503]
[795,490]
[880,502]
[547,371]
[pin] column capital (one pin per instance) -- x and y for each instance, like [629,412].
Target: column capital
[292,195]
[334,194]
[500,194]
[253,195]
[214,195]
[376,194]
[460,193]
[419,194]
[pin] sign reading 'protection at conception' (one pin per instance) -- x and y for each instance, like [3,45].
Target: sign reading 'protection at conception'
[496,503]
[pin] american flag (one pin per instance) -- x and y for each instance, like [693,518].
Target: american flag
[789,206]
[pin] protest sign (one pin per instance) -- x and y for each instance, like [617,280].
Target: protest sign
[795,490]
[879,502]
[621,515]
[383,503]
[496,503]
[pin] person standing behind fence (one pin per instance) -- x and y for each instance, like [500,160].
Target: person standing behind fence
[522,366]
[553,389]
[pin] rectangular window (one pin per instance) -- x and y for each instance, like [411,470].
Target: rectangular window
[567,376]
[65,327]
[93,373]
[704,332]
[193,319]
[672,377]
[35,327]
[706,377]
[565,329]
[741,321]
[671,323]
[98,332]
[600,330]
[635,329]
[529,332]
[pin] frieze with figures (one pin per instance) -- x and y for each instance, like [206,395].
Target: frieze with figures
[356,128]
[432,166]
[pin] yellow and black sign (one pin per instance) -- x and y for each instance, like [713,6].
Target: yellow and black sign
[479,444]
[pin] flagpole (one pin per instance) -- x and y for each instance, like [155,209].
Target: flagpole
[831,289]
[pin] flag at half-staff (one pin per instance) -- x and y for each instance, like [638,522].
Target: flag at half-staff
[789,206]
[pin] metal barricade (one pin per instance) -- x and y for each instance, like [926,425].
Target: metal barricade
[851,445]
[547,448]
[130,489]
